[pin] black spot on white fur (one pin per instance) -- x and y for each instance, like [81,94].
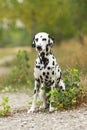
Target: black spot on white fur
[36,39]
[34,91]
[53,63]
[44,39]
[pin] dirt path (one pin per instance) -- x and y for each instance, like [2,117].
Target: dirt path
[67,120]
[6,59]
[5,70]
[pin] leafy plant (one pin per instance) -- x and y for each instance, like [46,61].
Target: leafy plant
[5,108]
[71,97]
[20,72]
[71,78]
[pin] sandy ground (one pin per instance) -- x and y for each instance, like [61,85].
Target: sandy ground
[21,120]
[6,59]
[5,70]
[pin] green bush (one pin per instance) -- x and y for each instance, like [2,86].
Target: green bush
[5,108]
[71,97]
[20,72]
[71,78]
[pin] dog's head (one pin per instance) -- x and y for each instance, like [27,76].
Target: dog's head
[42,42]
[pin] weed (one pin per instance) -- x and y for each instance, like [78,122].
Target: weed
[9,89]
[72,96]
[71,78]
[20,72]
[5,108]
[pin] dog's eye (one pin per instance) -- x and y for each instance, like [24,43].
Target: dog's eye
[36,39]
[44,39]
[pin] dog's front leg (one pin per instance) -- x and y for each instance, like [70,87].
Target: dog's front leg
[51,109]
[43,97]
[36,90]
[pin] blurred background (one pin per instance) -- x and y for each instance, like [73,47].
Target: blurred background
[21,19]
[65,20]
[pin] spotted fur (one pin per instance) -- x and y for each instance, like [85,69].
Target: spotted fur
[46,70]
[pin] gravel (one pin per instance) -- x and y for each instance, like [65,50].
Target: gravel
[21,120]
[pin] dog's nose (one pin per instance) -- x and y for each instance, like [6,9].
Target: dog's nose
[39,48]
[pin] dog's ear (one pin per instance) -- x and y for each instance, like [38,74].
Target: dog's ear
[51,40]
[33,43]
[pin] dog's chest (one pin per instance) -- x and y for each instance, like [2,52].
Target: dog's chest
[45,68]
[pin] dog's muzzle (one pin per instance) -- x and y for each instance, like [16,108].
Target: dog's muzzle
[39,48]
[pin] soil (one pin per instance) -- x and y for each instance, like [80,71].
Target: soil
[5,70]
[21,120]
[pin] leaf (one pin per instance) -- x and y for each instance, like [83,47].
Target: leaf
[5,99]
[2,113]
[74,100]
[8,108]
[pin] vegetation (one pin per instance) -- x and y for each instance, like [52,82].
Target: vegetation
[19,75]
[5,108]
[75,79]
[20,72]
[72,96]
[63,19]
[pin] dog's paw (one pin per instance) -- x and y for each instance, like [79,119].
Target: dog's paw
[31,110]
[51,109]
[41,107]
[44,106]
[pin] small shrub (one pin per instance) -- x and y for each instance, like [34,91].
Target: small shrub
[71,78]
[71,97]
[5,108]
[20,72]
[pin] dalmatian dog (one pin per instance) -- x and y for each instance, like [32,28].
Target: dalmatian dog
[46,71]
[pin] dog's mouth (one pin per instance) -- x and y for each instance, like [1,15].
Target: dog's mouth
[40,49]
